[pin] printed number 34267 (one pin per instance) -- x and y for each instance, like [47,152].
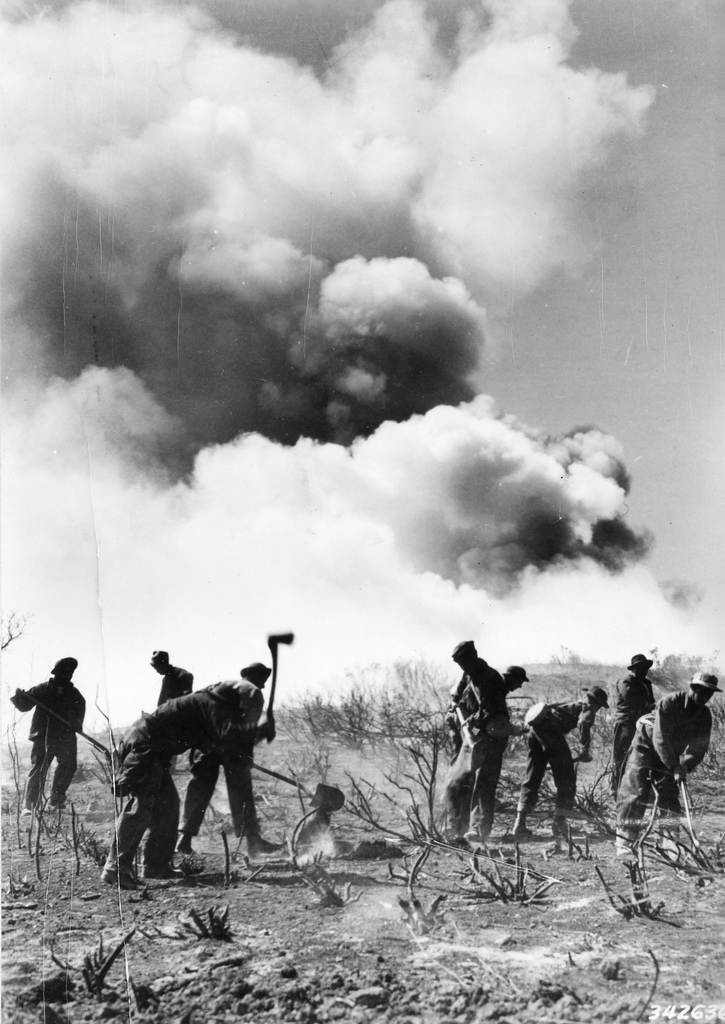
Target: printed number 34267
[681,1012]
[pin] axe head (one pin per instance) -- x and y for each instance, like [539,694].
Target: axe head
[275,639]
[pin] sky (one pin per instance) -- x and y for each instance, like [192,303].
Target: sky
[391,324]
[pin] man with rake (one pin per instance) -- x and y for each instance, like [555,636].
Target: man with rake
[669,743]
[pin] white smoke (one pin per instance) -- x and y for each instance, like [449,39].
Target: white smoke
[327,541]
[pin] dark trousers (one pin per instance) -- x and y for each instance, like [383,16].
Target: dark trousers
[470,793]
[549,750]
[204,775]
[644,775]
[154,806]
[624,730]
[63,749]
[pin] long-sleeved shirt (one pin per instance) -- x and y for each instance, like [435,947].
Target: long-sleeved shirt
[634,698]
[222,717]
[481,693]
[681,730]
[177,682]
[567,717]
[59,696]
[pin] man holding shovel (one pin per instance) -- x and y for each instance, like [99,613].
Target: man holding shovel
[205,765]
[59,712]
[227,717]
[669,743]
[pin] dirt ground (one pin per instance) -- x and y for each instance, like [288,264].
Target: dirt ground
[292,954]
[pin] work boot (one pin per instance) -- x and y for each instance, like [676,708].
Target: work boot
[26,812]
[520,831]
[124,880]
[623,846]
[258,847]
[184,844]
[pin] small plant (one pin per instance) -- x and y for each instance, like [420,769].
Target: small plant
[317,878]
[96,964]
[216,925]
[502,888]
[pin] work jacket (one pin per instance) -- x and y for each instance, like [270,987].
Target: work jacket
[176,683]
[562,719]
[222,717]
[634,699]
[59,696]
[681,730]
[481,693]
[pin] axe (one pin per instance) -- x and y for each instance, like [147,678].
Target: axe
[273,642]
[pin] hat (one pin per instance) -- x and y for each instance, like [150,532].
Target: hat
[536,713]
[706,680]
[599,695]
[65,667]
[640,659]
[160,658]
[256,669]
[464,649]
[518,671]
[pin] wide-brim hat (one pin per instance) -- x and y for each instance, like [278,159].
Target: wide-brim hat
[640,659]
[462,650]
[706,680]
[160,658]
[599,695]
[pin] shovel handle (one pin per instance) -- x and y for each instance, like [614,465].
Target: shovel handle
[282,778]
[59,718]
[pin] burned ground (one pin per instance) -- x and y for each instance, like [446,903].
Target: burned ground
[513,934]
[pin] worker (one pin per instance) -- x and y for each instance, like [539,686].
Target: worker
[480,701]
[549,725]
[227,716]
[177,682]
[635,698]
[205,765]
[669,744]
[50,737]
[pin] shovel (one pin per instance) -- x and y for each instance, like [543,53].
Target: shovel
[325,798]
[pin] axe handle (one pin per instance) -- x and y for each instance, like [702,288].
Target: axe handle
[59,718]
[273,687]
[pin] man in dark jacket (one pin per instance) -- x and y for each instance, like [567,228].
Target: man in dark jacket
[205,765]
[177,682]
[480,696]
[548,747]
[669,743]
[226,717]
[634,699]
[50,737]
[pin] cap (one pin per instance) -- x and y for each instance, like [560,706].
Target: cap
[640,659]
[255,670]
[599,695]
[65,667]
[706,680]
[160,658]
[518,671]
[464,649]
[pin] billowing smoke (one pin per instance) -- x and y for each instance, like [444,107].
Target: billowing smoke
[397,546]
[277,250]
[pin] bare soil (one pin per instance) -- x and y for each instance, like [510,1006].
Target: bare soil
[290,957]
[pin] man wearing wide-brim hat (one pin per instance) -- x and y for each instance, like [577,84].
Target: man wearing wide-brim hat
[669,744]
[635,698]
